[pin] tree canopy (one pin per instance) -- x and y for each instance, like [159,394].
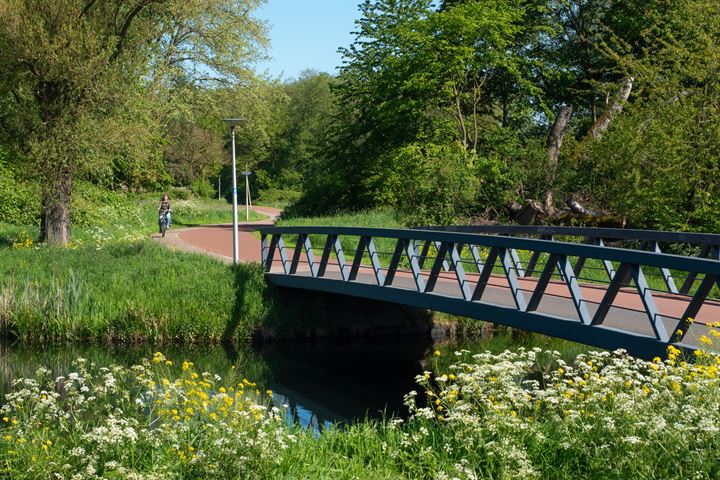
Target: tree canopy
[448,111]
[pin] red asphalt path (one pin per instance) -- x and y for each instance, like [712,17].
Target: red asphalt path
[216,240]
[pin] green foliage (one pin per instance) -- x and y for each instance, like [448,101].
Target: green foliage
[202,188]
[422,94]
[91,86]
[440,189]
[658,164]
[20,199]
[278,198]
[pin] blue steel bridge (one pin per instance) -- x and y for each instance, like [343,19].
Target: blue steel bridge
[610,288]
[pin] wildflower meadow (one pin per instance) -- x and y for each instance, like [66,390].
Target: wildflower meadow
[522,414]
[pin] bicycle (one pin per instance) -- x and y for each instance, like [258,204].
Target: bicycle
[163,223]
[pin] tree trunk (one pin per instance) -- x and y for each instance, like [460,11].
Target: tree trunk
[554,144]
[55,219]
[602,123]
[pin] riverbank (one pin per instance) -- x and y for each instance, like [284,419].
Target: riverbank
[486,416]
[128,292]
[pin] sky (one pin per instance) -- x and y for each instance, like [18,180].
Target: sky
[305,34]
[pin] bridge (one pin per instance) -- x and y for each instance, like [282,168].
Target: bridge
[609,288]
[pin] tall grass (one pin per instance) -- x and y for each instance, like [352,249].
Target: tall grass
[129,292]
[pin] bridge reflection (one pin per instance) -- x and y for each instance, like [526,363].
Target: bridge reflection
[341,380]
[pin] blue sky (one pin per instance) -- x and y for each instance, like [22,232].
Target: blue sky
[306,34]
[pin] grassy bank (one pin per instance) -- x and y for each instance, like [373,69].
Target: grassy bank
[487,416]
[126,291]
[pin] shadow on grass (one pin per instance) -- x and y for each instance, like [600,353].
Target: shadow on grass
[252,298]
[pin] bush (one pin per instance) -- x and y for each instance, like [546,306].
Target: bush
[93,206]
[179,194]
[19,201]
[441,188]
[202,188]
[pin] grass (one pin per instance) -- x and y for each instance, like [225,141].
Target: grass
[130,292]
[100,216]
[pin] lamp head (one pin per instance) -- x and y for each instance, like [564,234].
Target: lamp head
[232,121]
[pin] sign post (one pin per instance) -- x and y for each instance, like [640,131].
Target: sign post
[247,174]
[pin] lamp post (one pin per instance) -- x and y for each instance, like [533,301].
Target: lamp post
[233,122]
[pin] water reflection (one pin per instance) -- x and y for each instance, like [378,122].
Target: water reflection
[321,382]
[344,380]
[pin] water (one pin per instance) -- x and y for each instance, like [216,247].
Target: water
[337,380]
[322,382]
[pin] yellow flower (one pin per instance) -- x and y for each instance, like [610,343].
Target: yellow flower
[437,353]
[269,393]
[6,419]
[7,437]
[451,376]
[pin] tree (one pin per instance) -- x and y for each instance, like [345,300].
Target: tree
[658,162]
[71,66]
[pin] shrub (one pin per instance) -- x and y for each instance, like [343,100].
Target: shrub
[202,188]
[20,204]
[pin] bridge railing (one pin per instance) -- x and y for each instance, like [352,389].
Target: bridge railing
[706,245]
[418,267]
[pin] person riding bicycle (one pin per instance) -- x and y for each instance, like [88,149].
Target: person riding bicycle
[165,208]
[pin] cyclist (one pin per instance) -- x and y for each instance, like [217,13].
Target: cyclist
[165,208]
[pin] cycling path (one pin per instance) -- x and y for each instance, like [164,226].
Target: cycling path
[216,240]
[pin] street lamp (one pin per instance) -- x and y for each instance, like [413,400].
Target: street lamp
[232,122]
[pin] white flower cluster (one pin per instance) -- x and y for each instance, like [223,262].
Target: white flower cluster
[141,422]
[605,410]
